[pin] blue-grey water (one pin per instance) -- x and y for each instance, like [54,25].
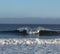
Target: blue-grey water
[5,27]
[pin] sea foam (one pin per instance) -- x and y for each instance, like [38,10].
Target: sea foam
[28,41]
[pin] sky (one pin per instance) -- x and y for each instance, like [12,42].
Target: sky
[29,8]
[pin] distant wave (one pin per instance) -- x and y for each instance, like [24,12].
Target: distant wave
[29,31]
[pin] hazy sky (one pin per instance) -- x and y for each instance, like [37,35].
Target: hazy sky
[29,8]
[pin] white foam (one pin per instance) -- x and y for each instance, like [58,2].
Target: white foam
[30,46]
[28,41]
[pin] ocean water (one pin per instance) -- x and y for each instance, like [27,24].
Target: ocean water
[13,43]
[33,27]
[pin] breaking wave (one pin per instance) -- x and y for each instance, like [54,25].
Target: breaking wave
[39,30]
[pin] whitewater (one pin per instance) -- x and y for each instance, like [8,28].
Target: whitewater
[30,46]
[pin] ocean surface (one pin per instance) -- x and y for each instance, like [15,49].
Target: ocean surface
[13,43]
